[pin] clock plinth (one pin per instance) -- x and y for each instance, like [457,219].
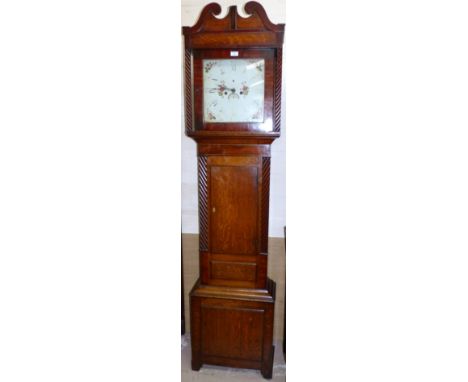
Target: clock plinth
[233,112]
[232,327]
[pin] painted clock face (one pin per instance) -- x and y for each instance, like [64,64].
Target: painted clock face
[233,90]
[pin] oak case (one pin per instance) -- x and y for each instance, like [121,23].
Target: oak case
[232,304]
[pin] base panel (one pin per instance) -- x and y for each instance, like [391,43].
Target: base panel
[232,327]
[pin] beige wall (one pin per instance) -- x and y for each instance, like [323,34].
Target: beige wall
[276,271]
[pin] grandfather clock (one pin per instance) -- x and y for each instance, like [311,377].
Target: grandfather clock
[233,112]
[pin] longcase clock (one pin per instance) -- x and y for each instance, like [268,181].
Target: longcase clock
[233,112]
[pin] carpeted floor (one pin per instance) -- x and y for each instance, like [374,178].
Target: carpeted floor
[210,373]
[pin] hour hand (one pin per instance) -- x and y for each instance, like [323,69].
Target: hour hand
[233,93]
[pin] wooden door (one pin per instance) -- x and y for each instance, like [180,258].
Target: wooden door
[234,205]
[234,184]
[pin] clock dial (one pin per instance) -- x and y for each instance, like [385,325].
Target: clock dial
[233,90]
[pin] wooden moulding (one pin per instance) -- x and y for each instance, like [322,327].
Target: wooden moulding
[233,149]
[248,294]
[233,31]
[233,137]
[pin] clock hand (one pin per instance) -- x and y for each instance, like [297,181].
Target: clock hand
[233,93]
